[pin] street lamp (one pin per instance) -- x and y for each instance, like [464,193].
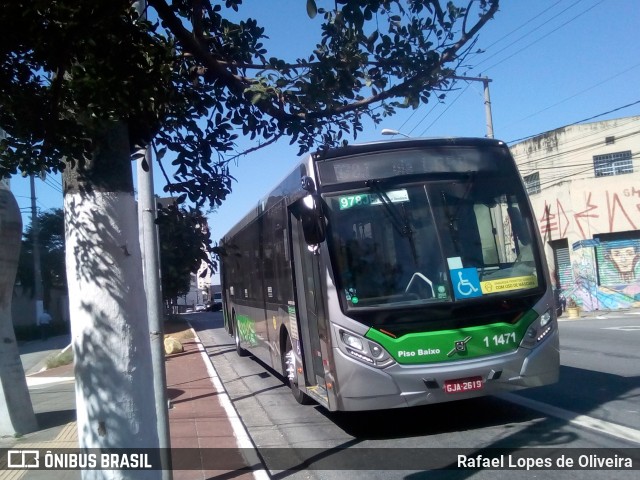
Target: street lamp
[389,131]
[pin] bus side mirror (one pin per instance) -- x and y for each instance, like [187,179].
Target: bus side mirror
[312,218]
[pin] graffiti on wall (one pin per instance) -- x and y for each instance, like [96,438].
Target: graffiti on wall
[615,213]
[606,275]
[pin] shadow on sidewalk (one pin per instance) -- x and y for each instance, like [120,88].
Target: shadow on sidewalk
[53,419]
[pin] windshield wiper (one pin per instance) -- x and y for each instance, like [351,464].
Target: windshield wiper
[453,218]
[399,221]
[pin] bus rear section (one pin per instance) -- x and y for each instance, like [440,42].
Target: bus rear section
[427,283]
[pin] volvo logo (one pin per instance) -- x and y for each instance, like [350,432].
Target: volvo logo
[460,346]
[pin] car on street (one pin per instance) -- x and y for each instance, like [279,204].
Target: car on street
[216,303]
[200,307]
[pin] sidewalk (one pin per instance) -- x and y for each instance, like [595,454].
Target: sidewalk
[201,417]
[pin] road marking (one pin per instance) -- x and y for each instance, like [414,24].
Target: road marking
[240,432]
[584,421]
[628,328]
[44,381]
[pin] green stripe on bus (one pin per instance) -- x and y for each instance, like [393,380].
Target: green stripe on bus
[457,344]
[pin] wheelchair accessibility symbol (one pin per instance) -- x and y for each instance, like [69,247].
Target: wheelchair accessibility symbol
[466,283]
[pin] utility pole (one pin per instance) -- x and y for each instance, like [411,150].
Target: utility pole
[487,106]
[151,270]
[37,269]
[487,100]
[149,247]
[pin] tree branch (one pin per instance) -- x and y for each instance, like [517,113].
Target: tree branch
[235,83]
[257,147]
[238,84]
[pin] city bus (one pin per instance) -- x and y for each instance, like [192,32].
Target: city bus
[394,274]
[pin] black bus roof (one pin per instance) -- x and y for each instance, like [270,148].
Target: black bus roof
[378,145]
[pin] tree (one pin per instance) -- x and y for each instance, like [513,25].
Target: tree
[16,411]
[76,97]
[51,242]
[184,246]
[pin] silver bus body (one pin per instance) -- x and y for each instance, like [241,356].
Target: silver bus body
[394,274]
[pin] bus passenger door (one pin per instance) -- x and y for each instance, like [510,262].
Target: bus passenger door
[313,332]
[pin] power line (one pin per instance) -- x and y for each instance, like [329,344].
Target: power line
[565,156]
[52,185]
[526,34]
[543,37]
[497,53]
[435,105]
[571,148]
[576,94]
[577,122]
[444,111]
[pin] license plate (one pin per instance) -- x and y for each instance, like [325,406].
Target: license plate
[460,385]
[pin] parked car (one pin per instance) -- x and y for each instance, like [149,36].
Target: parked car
[216,303]
[200,307]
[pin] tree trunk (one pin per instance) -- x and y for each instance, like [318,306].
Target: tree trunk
[109,326]
[16,411]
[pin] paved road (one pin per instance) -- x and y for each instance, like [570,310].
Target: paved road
[600,373]
[35,353]
[600,389]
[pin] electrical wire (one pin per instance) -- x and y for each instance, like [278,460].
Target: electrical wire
[55,186]
[543,37]
[571,147]
[545,23]
[510,45]
[567,156]
[445,110]
[577,122]
[563,177]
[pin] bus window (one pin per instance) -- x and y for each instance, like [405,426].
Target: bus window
[400,244]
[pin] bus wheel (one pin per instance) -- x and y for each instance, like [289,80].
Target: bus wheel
[290,375]
[236,335]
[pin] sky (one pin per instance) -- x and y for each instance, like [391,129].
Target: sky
[551,63]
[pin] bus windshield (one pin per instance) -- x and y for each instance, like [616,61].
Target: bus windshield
[434,240]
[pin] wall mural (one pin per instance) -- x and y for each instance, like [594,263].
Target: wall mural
[606,273]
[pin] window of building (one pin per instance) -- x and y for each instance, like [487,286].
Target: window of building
[610,140]
[612,164]
[532,182]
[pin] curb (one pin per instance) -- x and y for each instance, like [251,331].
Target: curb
[239,430]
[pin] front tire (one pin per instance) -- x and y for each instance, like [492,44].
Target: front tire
[290,374]
[236,335]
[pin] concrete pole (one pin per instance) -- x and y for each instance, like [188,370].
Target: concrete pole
[37,269]
[487,107]
[149,246]
[487,99]
[151,271]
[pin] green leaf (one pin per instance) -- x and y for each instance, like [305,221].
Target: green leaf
[161,153]
[312,8]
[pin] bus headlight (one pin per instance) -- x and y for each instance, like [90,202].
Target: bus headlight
[538,330]
[545,318]
[364,350]
[352,340]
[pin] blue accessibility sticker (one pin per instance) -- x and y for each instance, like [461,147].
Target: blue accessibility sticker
[466,283]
